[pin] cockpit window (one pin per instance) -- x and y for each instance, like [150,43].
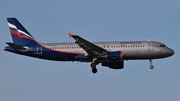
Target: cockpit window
[162,45]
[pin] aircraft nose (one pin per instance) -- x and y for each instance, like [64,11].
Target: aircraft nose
[170,52]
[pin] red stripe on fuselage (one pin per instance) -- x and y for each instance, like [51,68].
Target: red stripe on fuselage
[62,51]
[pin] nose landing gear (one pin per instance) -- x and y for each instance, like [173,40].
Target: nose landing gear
[151,66]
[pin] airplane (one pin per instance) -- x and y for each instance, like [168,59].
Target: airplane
[108,54]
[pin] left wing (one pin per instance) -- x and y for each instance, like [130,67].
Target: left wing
[91,49]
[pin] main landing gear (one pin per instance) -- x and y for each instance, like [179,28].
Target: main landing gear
[94,69]
[151,66]
[93,65]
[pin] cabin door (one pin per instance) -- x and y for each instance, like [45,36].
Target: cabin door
[151,46]
[39,49]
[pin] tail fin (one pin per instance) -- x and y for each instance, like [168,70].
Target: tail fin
[19,34]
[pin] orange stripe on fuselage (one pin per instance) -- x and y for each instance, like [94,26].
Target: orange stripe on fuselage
[121,55]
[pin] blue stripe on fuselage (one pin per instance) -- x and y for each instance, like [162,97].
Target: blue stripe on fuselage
[46,54]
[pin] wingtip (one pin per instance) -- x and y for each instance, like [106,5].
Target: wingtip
[70,35]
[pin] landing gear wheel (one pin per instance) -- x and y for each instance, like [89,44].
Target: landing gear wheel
[151,66]
[94,70]
[93,65]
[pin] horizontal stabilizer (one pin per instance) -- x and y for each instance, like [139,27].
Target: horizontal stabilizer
[17,47]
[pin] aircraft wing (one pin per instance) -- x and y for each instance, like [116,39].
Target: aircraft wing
[91,49]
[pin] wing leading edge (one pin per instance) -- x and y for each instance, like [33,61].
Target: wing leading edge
[91,49]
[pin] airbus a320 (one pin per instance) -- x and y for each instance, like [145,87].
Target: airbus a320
[108,54]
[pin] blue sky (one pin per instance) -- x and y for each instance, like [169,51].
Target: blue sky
[29,79]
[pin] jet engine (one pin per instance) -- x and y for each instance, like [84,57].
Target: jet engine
[115,60]
[116,55]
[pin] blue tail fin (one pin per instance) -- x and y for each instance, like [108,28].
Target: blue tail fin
[19,34]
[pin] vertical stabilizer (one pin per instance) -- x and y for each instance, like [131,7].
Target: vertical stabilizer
[19,34]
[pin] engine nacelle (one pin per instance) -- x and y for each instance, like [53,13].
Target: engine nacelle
[116,55]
